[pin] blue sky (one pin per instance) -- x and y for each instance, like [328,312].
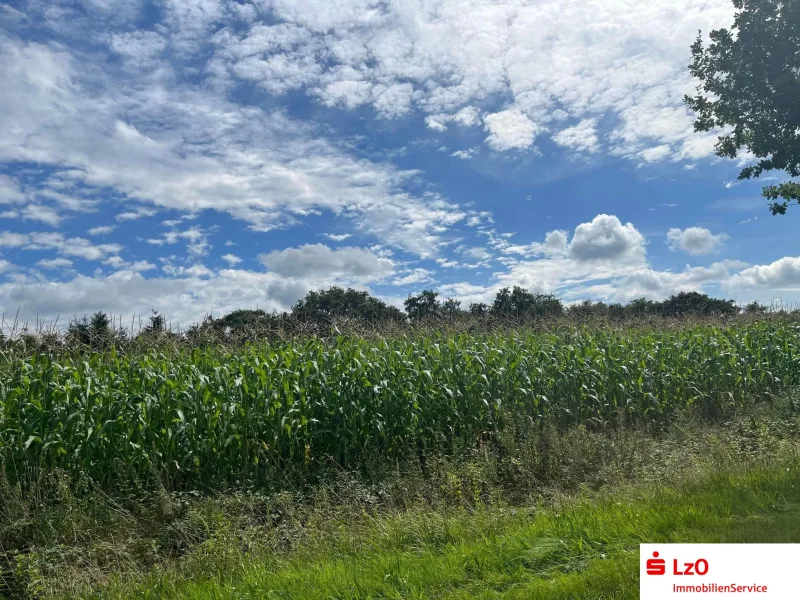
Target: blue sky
[200,156]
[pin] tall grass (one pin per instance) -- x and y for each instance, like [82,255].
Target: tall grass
[214,418]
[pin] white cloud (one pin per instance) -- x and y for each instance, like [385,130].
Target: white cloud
[555,245]
[433,122]
[54,263]
[140,266]
[465,154]
[9,239]
[340,237]
[414,276]
[10,191]
[133,215]
[231,259]
[196,239]
[510,129]
[783,274]
[76,247]
[160,144]
[695,240]
[198,270]
[554,59]
[43,214]
[606,238]
[658,285]
[320,260]
[102,230]
[581,137]
[139,49]
[469,116]
[600,252]
[475,253]
[656,154]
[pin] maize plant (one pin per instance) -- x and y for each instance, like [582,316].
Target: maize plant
[209,417]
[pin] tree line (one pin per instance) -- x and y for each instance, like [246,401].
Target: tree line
[337,309]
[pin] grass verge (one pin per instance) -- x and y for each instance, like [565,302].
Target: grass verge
[584,548]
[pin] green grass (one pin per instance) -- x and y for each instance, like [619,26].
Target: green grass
[579,549]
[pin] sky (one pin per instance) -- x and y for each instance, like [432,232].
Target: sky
[196,157]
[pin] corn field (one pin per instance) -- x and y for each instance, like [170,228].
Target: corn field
[211,417]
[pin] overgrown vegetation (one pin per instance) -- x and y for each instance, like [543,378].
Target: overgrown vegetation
[211,418]
[209,450]
[563,510]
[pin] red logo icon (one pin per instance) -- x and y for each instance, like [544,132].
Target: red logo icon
[656,566]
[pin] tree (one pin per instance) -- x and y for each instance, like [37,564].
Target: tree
[520,302]
[451,308]
[424,305]
[240,320]
[694,303]
[322,307]
[79,332]
[95,333]
[502,303]
[157,324]
[641,306]
[100,330]
[479,309]
[750,83]
[755,308]
[587,308]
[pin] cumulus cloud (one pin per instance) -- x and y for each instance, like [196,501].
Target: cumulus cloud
[510,129]
[319,259]
[606,238]
[581,137]
[604,259]
[231,259]
[658,285]
[783,274]
[695,240]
